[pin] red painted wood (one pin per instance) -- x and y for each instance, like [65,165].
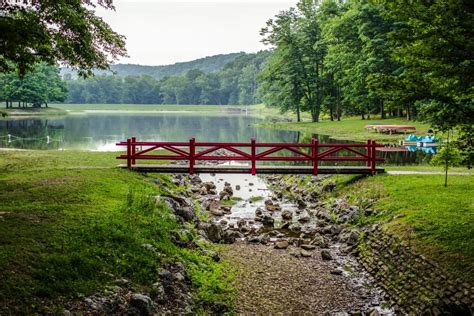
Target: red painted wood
[194,151]
[253,155]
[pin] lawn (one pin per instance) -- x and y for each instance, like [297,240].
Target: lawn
[71,223]
[351,128]
[150,107]
[437,221]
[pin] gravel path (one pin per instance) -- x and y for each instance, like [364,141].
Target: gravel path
[273,281]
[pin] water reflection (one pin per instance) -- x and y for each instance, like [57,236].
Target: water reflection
[101,131]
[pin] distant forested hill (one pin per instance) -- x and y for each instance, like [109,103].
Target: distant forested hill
[207,65]
[203,81]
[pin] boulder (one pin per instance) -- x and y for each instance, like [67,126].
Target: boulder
[326,255]
[306,254]
[267,220]
[281,244]
[287,215]
[142,303]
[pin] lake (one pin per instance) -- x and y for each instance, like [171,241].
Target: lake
[100,132]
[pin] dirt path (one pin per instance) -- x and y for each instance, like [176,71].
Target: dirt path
[274,281]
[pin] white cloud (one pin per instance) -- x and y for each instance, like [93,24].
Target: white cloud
[164,32]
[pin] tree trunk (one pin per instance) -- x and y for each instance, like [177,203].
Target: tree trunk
[382,110]
[331,113]
[363,116]
[338,103]
[298,114]
[408,113]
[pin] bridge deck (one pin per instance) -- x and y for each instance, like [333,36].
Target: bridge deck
[247,169]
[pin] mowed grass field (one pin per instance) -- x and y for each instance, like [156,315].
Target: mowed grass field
[351,128]
[71,223]
[437,221]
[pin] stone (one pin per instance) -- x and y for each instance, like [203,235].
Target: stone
[304,219]
[237,187]
[326,255]
[214,232]
[241,222]
[226,209]
[336,271]
[224,196]
[306,254]
[287,215]
[142,303]
[267,220]
[258,212]
[281,244]
[187,213]
[308,247]
[217,212]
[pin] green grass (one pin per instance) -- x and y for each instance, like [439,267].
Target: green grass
[71,223]
[437,221]
[149,107]
[255,198]
[50,111]
[351,128]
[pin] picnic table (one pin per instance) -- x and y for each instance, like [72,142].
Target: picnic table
[380,128]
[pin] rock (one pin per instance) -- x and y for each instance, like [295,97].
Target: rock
[158,291]
[286,214]
[304,219]
[217,212]
[258,212]
[326,255]
[306,254]
[308,247]
[250,184]
[285,225]
[281,244]
[224,196]
[142,303]
[336,271]
[223,222]
[226,209]
[214,233]
[187,213]
[267,220]
[241,222]
[209,186]
[203,191]
[237,187]
[295,227]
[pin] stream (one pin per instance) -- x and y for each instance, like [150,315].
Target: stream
[298,230]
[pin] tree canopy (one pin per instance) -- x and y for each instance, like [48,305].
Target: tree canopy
[57,31]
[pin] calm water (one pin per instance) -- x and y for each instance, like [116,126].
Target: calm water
[101,131]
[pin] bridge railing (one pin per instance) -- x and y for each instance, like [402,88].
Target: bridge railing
[193,151]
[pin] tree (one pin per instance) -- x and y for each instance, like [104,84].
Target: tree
[297,64]
[40,86]
[51,31]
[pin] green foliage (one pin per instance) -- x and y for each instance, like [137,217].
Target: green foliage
[447,156]
[70,232]
[235,83]
[438,222]
[40,86]
[50,31]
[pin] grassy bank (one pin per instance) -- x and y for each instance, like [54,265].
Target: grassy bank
[71,223]
[151,107]
[50,111]
[351,128]
[437,221]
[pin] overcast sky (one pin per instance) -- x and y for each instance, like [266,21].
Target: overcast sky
[163,32]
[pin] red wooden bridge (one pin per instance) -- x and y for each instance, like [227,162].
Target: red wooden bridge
[252,153]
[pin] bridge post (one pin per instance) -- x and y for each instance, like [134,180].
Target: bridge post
[192,152]
[134,150]
[314,150]
[253,153]
[129,153]
[373,157]
[369,153]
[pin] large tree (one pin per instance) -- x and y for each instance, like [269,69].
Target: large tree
[57,31]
